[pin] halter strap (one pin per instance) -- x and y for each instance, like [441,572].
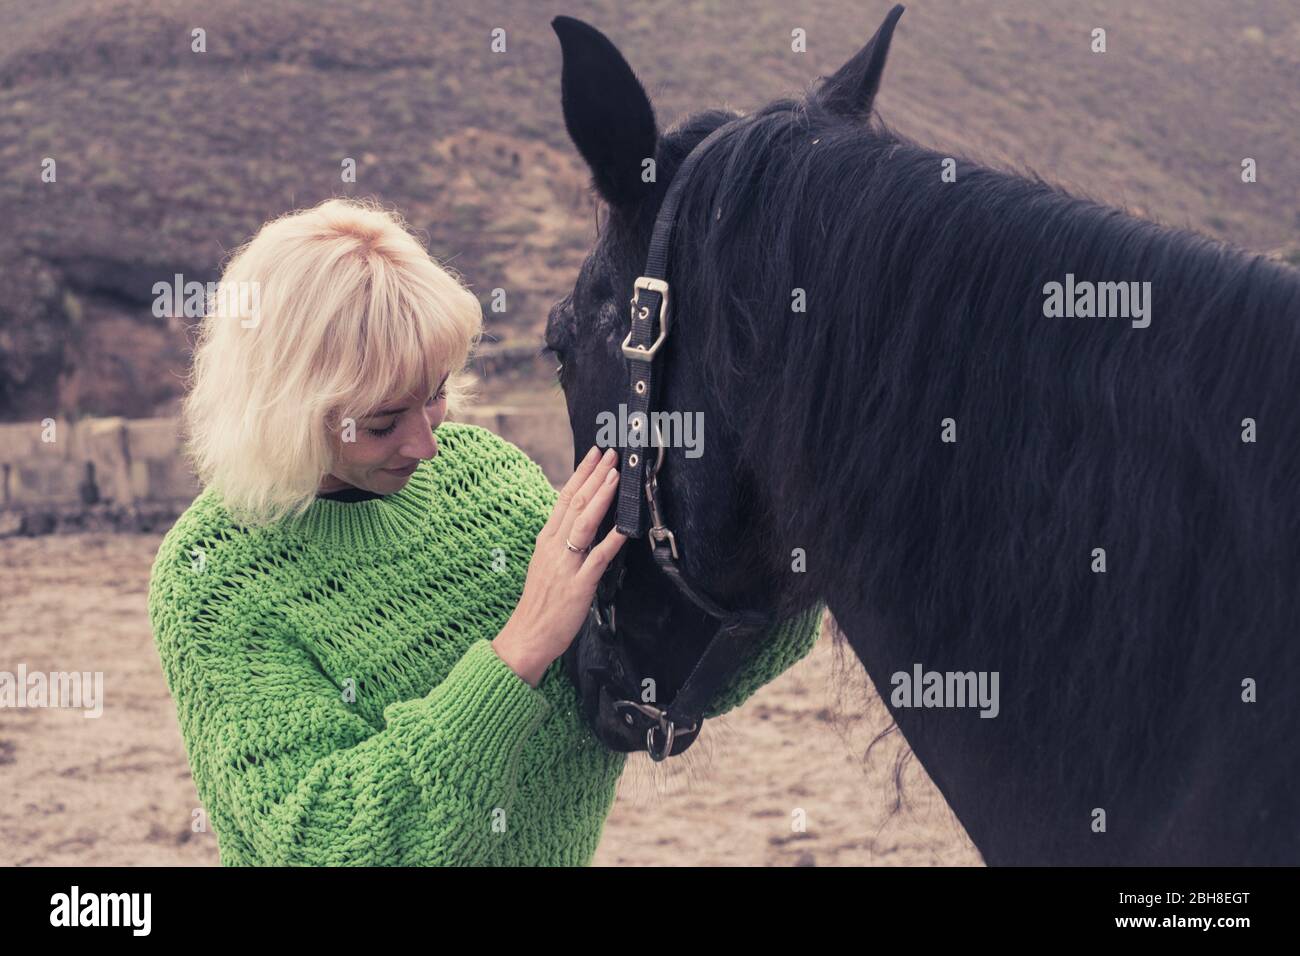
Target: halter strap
[638,491]
[648,332]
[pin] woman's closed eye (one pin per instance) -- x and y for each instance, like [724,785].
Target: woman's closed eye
[388,429]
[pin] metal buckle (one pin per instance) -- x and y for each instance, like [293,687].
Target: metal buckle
[635,352]
[659,755]
[662,724]
[659,534]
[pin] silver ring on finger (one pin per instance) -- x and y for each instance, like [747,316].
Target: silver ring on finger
[569,544]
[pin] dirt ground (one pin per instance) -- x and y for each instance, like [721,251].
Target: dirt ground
[116,791]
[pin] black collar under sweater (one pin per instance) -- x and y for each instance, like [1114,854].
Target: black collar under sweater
[350,494]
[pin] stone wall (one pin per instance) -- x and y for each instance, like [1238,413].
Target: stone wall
[130,474]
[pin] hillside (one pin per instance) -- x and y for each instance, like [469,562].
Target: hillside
[168,159]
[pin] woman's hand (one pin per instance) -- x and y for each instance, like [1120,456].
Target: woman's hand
[561,583]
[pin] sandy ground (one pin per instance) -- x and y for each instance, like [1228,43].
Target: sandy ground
[116,790]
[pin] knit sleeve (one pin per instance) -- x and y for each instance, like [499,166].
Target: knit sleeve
[787,642]
[291,774]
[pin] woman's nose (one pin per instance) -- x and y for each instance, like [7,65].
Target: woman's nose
[422,444]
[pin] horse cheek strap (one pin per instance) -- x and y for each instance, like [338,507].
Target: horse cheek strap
[649,328]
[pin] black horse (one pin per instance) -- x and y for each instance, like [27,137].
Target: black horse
[981,478]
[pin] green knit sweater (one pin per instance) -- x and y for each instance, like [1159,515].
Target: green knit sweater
[337,692]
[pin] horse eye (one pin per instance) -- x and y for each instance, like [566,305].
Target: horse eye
[548,350]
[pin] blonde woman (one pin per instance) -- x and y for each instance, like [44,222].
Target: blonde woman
[363,670]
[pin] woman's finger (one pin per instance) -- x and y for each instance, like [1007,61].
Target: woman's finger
[580,475]
[587,520]
[599,557]
[586,497]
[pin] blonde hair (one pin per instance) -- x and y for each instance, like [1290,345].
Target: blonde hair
[350,311]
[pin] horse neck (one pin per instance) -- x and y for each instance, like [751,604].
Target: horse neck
[938,317]
[1070,433]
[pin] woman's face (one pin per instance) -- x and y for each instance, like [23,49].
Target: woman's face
[389,444]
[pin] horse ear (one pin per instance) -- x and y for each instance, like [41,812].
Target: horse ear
[606,111]
[852,90]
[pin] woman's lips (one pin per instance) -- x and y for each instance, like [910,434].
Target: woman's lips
[409,470]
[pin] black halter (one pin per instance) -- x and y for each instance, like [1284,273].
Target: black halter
[639,491]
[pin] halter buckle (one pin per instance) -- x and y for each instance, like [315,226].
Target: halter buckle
[657,531]
[661,533]
[661,723]
[637,353]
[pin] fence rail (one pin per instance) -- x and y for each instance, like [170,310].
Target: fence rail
[130,473]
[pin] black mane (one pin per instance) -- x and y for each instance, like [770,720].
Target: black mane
[925,302]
